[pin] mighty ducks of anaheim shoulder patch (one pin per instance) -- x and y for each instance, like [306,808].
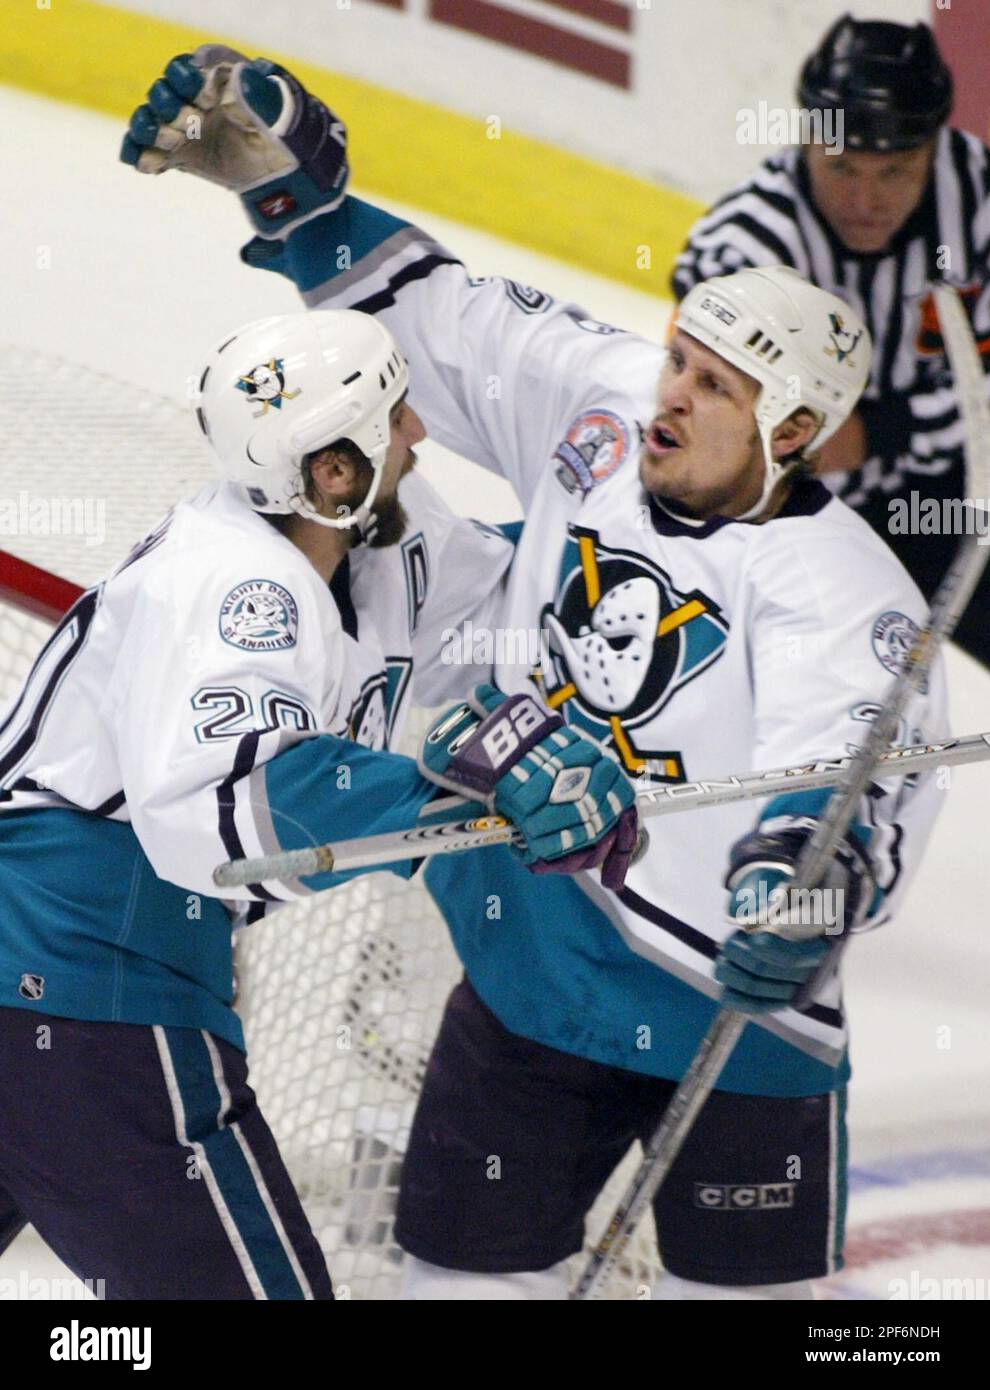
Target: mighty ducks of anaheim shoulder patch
[595,446]
[893,636]
[259,616]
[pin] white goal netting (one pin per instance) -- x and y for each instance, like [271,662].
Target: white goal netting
[341,996]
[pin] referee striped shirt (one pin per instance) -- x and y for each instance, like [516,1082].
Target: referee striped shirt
[909,409]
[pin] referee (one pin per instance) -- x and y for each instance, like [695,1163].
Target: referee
[905,202]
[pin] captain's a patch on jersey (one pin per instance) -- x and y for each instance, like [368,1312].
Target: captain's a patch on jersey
[259,616]
[595,446]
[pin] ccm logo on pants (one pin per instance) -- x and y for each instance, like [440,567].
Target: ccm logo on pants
[743,1196]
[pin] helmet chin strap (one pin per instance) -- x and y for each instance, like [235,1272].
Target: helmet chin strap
[365,518]
[773,471]
[366,525]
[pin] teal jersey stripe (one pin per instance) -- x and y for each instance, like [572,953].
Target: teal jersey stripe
[554,969]
[842,1178]
[328,789]
[325,247]
[810,804]
[83,912]
[511,530]
[88,930]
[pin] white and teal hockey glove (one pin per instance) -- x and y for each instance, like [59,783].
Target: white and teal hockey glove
[788,945]
[569,799]
[248,125]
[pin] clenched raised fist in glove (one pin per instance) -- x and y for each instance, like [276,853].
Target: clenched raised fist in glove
[249,126]
[569,798]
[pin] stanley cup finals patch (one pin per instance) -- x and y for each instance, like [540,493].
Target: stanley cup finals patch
[595,446]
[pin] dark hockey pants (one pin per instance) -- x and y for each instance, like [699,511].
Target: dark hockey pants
[140,1156]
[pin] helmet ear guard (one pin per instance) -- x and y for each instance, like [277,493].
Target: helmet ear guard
[325,426]
[804,346]
[315,379]
[322,427]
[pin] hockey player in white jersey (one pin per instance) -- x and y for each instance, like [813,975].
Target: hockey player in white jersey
[233,687]
[904,202]
[710,608]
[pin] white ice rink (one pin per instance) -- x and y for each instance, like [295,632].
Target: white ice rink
[137,277]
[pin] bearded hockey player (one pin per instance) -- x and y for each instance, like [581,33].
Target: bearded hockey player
[709,607]
[904,202]
[201,703]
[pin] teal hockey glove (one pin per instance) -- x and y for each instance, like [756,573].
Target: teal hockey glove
[249,126]
[790,944]
[569,798]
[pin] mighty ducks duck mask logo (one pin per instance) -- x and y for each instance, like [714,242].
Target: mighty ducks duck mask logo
[843,342]
[623,639]
[265,385]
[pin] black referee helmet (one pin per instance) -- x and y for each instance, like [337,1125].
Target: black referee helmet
[888,80]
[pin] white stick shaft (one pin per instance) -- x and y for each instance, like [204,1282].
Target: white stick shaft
[680,1115]
[370,851]
[744,786]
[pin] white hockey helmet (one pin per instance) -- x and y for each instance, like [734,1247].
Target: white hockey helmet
[804,346]
[281,388]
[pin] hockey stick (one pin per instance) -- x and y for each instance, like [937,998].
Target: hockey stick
[453,836]
[950,600]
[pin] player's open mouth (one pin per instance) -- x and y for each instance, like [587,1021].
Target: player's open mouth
[661,440]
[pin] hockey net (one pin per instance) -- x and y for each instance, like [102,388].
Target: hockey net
[341,996]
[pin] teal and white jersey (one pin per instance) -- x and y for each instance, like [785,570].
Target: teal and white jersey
[691,650]
[214,698]
[216,646]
